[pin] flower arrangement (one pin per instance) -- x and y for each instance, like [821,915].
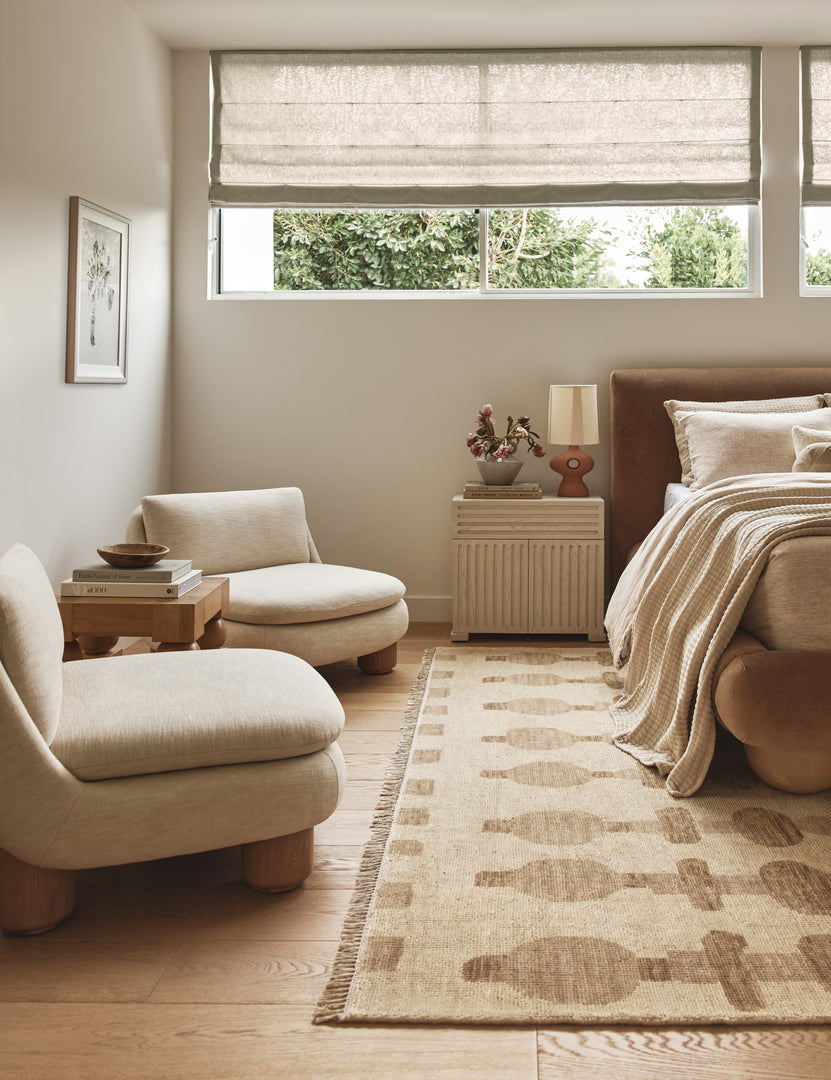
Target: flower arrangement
[484,442]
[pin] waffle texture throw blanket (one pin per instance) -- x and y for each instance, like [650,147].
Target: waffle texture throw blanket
[679,602]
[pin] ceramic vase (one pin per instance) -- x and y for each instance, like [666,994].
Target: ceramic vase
[498,473]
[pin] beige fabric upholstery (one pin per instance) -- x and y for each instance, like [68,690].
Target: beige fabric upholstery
[226,531]
[295,603]
[790,605]
[31,637]
[722,445]
[324,642]
[159,718]
[767,405]
[309,592]
[237,716]
[813,450]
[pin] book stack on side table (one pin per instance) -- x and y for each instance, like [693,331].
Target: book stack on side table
[502,491]
[169,578]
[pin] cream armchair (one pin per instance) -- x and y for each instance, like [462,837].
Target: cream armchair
[282,596]
[142,757]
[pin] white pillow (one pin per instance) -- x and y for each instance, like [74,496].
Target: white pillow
[767,405]
[723,444]
[813,450]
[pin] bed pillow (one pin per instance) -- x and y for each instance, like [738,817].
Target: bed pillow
[768,405]
[813,450]
[723,444]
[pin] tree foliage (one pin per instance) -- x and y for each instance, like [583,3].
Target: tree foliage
[818,267]
[377,249]
[389,249]
[538,249]
[694,247]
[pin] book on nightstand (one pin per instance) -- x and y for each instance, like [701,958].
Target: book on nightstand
[161,589]
[492,491]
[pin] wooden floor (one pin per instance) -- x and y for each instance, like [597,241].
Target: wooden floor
[175,970]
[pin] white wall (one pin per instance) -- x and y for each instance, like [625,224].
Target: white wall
[366,403]
[85,109]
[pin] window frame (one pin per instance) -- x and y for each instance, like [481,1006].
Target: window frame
[806,290]
[753,290]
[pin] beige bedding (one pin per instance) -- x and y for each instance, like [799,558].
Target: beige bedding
[790,605]
[679,601]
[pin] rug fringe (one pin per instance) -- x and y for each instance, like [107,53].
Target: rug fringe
[332,1002]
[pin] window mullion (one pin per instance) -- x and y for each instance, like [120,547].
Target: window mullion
[483,250]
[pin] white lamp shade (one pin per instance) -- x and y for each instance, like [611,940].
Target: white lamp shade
[572,416]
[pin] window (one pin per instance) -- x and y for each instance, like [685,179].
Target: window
[816,170]
[609,249]
[533,169]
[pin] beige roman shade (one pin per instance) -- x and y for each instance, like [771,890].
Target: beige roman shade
[485,128]
[816,126]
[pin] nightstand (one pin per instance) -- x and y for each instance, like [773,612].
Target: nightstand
[528,566]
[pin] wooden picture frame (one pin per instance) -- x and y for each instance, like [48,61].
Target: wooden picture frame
[99,253]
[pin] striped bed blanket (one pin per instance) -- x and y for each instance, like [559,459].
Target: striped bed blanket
[679,602]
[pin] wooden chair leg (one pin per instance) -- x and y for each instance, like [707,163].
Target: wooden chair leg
[33,899]
[380,662]
[279,864]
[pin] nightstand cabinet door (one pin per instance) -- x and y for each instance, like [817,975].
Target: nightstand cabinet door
[566,590]
[490,586]
[528,566]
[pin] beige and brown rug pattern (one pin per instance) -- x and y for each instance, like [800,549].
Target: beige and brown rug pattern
[523,870]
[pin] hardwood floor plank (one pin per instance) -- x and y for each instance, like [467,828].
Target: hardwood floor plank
[45,970]
[235,972]
[356,744]
[246,1042]
[798,1053]
[366,767]
[361,795]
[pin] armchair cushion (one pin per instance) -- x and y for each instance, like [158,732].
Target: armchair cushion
[309,592]
[159,718]
[31,637]
[227,531]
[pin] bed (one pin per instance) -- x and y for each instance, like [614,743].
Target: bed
[767,687]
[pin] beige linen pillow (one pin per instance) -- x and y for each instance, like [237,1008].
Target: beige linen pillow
[722,445]
[767,405]
[813,450]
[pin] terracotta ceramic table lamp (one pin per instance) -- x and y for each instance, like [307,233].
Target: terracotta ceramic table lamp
[572,420]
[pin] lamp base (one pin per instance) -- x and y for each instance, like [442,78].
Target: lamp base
[572,464]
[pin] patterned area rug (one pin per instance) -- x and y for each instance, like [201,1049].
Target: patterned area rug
[523,870]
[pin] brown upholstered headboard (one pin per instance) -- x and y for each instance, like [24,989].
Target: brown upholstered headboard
[644,455]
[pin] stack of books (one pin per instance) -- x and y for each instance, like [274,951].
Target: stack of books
[509,491]
[167,578]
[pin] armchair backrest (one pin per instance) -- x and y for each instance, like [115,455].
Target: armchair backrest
[31,637]
[227,531]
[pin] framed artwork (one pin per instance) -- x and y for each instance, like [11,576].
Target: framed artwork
[96,337]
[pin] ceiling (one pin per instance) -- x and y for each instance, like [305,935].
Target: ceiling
[351,24]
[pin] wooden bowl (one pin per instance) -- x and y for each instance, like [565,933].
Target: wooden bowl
[127,556]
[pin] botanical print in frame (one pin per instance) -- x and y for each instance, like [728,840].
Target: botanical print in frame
[99,248]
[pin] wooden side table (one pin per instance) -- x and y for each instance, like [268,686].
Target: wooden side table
[191,621]
[528,566]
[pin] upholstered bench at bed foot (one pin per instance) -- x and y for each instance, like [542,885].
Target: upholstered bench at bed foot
[777,703]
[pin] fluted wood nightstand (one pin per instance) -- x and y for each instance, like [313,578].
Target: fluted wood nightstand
[528,566]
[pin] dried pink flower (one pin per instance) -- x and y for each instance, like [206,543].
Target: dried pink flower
[485,442]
